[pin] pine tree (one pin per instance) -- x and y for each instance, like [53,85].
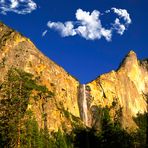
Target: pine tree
[60,140]
[15,92]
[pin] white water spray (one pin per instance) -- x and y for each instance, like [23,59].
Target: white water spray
[85,117]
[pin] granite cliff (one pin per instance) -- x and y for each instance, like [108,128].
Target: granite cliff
[73,103]
[20,52]
[127,86]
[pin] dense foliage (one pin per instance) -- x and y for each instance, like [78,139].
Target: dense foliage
[15,92]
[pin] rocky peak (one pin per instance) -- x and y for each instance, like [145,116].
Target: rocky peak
[131,53]
[129,61]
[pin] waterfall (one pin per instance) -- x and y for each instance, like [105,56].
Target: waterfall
[84,105]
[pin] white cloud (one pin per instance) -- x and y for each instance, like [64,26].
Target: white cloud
[14,4]
[122,13]
[88,25]
[107,34]
[119,27]
[17,6]
[44,33]
[65,29]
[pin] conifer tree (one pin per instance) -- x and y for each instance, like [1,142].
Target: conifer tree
[15,92]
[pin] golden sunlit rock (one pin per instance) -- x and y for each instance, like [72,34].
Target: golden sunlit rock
[127,85]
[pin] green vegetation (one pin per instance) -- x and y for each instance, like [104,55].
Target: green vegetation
[140,136]
[15,93]
[112,134]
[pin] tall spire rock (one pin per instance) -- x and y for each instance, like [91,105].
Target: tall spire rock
[131,66]
[130,59]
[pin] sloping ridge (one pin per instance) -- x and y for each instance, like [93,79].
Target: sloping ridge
[20,52]
[128,84]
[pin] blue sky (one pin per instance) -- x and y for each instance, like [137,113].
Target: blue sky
[83,54]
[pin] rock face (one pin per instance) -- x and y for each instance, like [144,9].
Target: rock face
[128,85]
[18,51]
